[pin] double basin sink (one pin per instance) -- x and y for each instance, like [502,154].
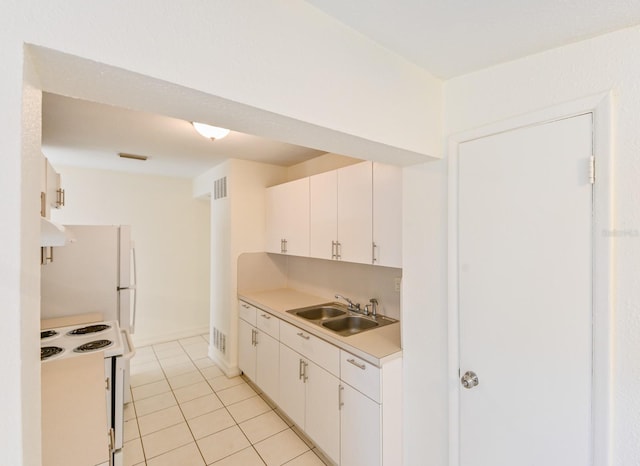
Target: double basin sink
[339,319]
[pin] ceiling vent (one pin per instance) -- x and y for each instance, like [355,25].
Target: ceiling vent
[133,156]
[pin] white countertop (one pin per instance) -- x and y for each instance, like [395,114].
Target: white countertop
[74,414]
[375,346]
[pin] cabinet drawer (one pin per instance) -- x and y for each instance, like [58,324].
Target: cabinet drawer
[360,375]
[268,324]
[320,352]
[247,312]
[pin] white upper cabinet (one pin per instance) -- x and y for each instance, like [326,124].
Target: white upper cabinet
[355,212]
[287,210]
[323,209]
[387,215]
[51,192]
[341,214]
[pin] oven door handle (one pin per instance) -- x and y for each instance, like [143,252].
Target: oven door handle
[131,348]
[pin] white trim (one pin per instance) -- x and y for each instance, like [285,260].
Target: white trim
[600,105]
[229,371]
[156,339]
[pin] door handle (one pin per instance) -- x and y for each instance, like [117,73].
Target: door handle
[469,380]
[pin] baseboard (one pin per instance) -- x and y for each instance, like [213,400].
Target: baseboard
[154,340]
[229,371]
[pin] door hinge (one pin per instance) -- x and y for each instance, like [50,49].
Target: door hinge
[592,169]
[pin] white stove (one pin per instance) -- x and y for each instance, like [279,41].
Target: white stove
[74,340]
[115,343]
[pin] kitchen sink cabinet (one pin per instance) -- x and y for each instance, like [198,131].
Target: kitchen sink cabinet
[287,218]
[348,407]
[341,214]
[309,396]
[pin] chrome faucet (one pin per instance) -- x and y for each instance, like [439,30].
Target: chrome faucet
[355,307]
[373,303]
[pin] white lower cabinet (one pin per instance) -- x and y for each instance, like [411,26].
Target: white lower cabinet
[247,349]
[348,407]
[258,350]
[360,423]
[309,396]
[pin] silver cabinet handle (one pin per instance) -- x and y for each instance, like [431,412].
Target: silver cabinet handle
[338,250]
[358,365]
[246,306]
[266,316]
[302,335]
[333,250]
[373,253]
[254,337]
[469,380]
[340,401]
[302,371]
[283,245]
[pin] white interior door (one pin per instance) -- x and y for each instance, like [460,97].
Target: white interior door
[525,295]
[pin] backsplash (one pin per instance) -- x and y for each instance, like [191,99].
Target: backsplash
[263,271]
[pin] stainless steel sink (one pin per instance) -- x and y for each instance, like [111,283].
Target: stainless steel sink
[349,325]
[338,319]
[321,312]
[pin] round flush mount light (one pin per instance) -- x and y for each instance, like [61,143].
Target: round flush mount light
[210,132]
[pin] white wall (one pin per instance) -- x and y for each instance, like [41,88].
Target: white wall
[171,233]
[237,226]
[608,62]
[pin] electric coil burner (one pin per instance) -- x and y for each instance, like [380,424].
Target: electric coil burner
[48,334]
[89,329]
[93,346]
[47,352]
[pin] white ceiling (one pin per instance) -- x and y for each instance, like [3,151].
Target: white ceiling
[454,37]
[447,38]
[80,133]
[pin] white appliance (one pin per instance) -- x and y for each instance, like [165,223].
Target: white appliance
[75,340]
[95,273]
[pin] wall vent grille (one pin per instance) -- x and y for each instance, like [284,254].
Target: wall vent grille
[220,188]
[219,341]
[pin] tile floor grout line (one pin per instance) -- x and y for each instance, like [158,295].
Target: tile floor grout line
[272,407]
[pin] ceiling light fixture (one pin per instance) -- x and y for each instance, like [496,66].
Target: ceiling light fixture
[210,132]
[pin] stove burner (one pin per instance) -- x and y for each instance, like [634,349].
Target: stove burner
[93,346]
[47,352]
[48,334]
[89,329]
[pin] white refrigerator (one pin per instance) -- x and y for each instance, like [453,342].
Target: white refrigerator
[95,273]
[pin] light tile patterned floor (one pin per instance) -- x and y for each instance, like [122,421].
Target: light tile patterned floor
[186,412]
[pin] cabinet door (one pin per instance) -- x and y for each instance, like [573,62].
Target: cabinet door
[53,185]
[322,417]
[276,217]
[387,215]
[287,210]
[267,364]
[246,349]
[323,214]
[355,212]
[292,387]
[360,427]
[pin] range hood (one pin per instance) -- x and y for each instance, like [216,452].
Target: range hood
[52,234]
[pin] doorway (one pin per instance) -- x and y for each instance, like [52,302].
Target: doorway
[528,324]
